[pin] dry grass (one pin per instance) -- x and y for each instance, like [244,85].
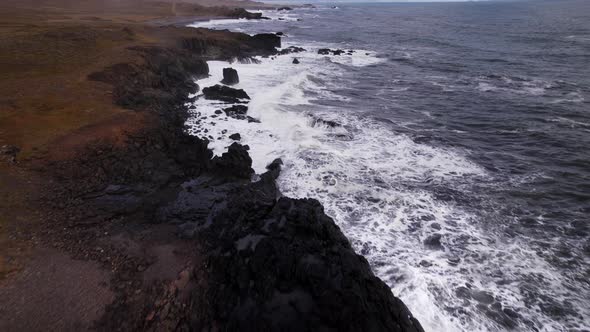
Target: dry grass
[48,107]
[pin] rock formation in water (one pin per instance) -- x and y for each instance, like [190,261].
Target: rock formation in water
[327,51]
[230,76]
[225,94]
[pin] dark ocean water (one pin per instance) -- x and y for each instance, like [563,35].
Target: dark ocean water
[471,122]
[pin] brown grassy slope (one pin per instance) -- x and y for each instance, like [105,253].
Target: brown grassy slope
[48,107]
[227,3]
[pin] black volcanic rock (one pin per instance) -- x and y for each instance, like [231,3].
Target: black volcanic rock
[242,13]
[230,76]
[284,8]
[161,84]
[286,266]
[251,119]
[225,93]
[235,137]
[236,111]
[295,61]
[266,41]
[274,168]
[236,162]
[291,49]
[319,121]
[257,262]
[327,51]
[249,46]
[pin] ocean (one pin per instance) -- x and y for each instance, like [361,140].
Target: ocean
[460,165]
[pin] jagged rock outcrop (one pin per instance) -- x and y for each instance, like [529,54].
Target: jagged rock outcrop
[284,265]
[236,162]
[317,121]
[266,41]
[249,46]
[291,49]
[327,51]
[236,111]
[242,13]
[230,76]
[161,83]
[225,94]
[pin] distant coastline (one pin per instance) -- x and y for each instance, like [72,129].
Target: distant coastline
[115,193]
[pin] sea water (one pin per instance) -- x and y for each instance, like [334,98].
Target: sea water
[460,165]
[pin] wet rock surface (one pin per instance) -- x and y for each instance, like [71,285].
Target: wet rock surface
[327,51]
[230,76]
[266,41]
[242,13]
[236,111]
[225,94]
[285,265]
[291,49]
[317,121]
[242,47]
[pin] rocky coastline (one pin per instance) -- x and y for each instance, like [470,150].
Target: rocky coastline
[189,241]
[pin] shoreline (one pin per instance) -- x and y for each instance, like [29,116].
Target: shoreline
[174,237]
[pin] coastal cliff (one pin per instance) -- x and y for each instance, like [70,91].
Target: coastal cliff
[188,241]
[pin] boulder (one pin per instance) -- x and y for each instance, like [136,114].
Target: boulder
[286,266]
[291,49]
[225,93]
[236,111]
[265,41]
[242,13]
[236,162]
[295,61]
[327,51]
[284,8]
[319,121]
[235,137]
[230,76]
[251,119]
[274,168]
